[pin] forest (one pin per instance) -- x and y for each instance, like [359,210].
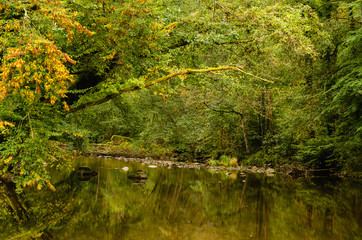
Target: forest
[263,82]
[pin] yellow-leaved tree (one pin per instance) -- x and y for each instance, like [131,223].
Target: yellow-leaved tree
[34,78]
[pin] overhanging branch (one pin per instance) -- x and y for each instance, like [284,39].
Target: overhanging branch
[183,43]
[162,79]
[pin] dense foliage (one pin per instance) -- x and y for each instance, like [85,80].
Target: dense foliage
[262,81]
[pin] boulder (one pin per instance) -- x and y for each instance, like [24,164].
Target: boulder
[139,175]
[85,173]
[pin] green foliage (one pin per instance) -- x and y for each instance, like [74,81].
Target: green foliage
[228,114]
[228,161]
[225,161]
[27,162]
[124,146]
[318,153]
[79,142]
[70,70]
[27,153]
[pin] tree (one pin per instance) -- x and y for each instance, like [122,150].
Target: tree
[41,43]
[34,81]
[60,57]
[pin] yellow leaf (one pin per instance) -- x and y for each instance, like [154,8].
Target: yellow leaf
[8,160]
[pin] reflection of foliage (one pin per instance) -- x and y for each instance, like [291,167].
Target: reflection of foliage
[33,214]
[185,203]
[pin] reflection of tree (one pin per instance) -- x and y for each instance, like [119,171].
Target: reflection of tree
[317,208]
[262,211]
[182,204]
[24,218]
[15,206]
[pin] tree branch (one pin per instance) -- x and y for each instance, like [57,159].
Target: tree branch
[231,110]
[227,11]
[159,80]
[242,121]
[183,43]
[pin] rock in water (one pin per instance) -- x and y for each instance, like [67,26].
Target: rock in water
[270,172]
[85,173]
[139,175]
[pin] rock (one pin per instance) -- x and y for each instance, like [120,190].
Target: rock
[125,169]
[85,173]
[254,169]
[292,170]
[139,175]
[270,172]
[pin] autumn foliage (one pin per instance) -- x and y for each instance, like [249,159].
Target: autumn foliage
[35,76]
[35,70]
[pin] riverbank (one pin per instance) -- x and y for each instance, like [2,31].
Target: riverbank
[293,171]
[165,159]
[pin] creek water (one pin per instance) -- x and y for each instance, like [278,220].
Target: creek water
[181,203]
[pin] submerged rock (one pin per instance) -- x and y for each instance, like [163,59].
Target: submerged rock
[139,175]
[85,173]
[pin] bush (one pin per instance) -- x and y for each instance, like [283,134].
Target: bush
[224,161]
[78,141]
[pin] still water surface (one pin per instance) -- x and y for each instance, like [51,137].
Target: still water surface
[185,204]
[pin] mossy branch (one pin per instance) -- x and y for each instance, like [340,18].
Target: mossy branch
[162,79]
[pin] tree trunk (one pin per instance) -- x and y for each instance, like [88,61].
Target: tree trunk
[244,134]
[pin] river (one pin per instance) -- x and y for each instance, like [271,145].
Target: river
[181,203]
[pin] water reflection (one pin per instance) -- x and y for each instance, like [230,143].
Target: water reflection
[182,204]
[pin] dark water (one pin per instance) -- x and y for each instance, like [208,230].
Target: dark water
[183,204]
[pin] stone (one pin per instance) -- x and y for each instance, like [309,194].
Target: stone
[85,173]
[139,175]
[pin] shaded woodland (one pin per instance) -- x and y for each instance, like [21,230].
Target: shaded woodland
[263,82]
